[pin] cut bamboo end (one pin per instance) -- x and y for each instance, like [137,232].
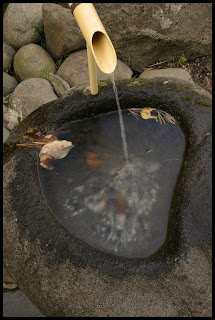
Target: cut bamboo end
[96,37]
[104,52]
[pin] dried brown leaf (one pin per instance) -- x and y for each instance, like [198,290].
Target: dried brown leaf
[93,160]
[49,138]
[32,134]
[46,161]
[146,113]
[57,149]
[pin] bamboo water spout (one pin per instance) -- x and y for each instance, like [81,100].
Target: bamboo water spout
[100,50]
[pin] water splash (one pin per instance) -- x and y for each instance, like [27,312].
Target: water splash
[123,135]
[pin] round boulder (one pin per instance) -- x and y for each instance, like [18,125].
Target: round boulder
[144,33]
[12,117]
[178,73]
[8,54]
[20,23]
[30,94]
[60,86]
[6,134]
[74,70]
[9,83]
[61,31]
[32,61]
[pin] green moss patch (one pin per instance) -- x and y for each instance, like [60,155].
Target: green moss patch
[167,90]
[186,98]
[102,84]
[203,102]
[133,84]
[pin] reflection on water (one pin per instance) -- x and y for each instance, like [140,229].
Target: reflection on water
[118,207]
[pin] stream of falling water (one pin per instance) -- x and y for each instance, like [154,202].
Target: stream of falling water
[123,135]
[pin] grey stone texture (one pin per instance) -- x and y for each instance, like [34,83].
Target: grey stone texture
[12,117]
[30,94]
[62,33]
[8,282]
[144,33]
[6,134]
[8,54]
[175,281]
[59,85]
[75,71]
[31,61]
[9,83]
[16,304]
[178,73]
[19,22]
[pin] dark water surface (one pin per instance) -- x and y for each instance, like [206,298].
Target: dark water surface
[116,208]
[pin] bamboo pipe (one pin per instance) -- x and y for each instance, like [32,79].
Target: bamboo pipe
[92,72]
[99,46]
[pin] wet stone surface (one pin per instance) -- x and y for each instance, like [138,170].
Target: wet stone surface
[116,206]
[48,262]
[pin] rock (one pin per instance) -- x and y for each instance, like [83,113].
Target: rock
[173,282]
[30,94]
[9,83]
[178,73]
[144,33]
[4,108]
[13,118]
[5,123]
[8,282]
[8,54]
[20,20]
[61,31]
[17,304]
[6,134]
[74,70]
[59,85]
[31,61]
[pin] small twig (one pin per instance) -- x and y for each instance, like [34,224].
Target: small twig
[157,63]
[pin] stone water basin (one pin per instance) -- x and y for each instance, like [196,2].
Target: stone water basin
[113,206]
[46,259]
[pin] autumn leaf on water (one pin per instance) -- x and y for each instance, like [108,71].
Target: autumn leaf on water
[149,113]
[57,149]
[46,161]
[50,147]
[153,113]
[51,151]
[49,138]
[93,160]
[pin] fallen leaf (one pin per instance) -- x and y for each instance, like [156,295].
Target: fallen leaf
[57,149]
[49,138]
[32,134]
[46,161]
[149,113]
[93,160]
